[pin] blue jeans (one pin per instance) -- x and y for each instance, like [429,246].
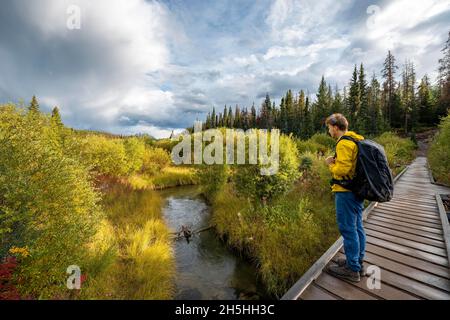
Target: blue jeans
[349,219]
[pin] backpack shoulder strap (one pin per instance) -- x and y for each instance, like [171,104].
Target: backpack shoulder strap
[345,138]
[348,138]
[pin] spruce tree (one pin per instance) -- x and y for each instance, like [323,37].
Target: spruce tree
[363,119]
[320,108]
[425,102]
[388,72]
[354,100]
[56,117]
[34,105]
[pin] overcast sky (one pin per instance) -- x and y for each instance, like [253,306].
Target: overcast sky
[153,66]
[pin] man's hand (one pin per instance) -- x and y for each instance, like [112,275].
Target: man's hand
[329,160]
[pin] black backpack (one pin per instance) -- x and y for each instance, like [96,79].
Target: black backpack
[373,178]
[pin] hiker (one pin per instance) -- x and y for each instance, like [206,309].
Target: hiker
[349,207]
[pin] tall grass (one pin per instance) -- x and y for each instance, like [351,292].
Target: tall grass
[399,151]
[137,241]
[166,178]
[439,153]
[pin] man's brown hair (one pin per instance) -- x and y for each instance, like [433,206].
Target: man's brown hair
[337,119]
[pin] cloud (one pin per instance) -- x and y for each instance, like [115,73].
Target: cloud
[154,66]
[94,73]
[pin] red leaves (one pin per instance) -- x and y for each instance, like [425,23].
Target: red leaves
[8,290]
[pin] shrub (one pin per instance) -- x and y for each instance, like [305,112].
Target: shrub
[439,153]
[155,160]
[324,140]
[251,183]
[134,150]
[104,155]
[47,203]
[213,179]
[399,151]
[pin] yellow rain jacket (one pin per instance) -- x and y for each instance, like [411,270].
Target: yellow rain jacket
[345,162]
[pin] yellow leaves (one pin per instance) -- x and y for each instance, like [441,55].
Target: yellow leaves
[23,252]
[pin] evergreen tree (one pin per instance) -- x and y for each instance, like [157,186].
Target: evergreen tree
[377,124]
[289,104]
[444,81]
[388,72]
[56,117]
[225,117]
[409,96]
[283,116]
[308,127]
[338,102]
[230,118]
[213,118]
[237,117]
[321,111]
[425,102]
[265,113]
[34,105]
[253,116]
[300,113]
[354,100]
[363,120]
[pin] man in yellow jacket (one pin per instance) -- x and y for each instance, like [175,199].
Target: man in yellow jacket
[348,207]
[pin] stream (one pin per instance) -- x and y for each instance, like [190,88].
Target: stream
[206,268]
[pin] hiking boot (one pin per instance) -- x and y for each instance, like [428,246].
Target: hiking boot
[344,272]
[342,262]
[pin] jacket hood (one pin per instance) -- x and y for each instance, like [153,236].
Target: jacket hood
[354,135]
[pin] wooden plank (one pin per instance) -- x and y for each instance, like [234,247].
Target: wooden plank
[409,251]
[417,263]
[412,209]
[395,205]
[445,224]
[427,199]
[407,230]
[401,188]
[386,291]
[408,243]
[411,221]
[410,214]
[415,205]
[341,288]
[411,285]
[406,215]
[408,271]
[413,200]
[314,292]
[405,224]
[404,235]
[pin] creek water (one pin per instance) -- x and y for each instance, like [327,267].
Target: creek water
[206,268]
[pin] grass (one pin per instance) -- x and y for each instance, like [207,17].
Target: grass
[135,241]
[439,153]
[167,178]
[399,151]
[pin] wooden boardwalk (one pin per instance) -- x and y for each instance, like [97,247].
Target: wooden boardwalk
[407,238]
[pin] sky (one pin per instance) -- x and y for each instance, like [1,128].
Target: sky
[140,66]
